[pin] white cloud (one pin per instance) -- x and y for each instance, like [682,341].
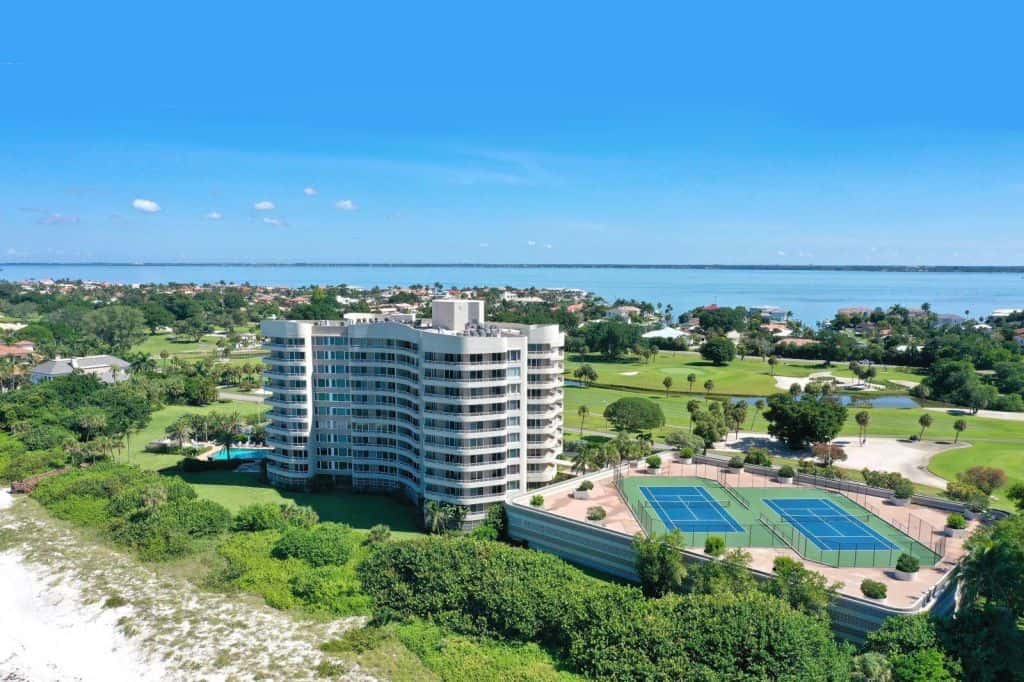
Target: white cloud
[214,215]
[548,246]
[484,245]
[264,205]
[310,191]
[781,253]
[276,222]
[58,219]
[531,243]
[146,205]
[345,205]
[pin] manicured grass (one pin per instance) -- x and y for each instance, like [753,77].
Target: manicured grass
[996,442]
[235,490]
[751,376]
[163,418]
[156,343]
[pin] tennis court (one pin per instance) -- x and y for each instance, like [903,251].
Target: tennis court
[828,526]
[690,509]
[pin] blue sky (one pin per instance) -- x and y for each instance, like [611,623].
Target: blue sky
[525,132]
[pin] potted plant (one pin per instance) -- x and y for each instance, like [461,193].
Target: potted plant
[735,464]
[785,474]
[537,501]
[582,492]
[956,525]
[975,506]
[906,567]
[596,514]
[654,464]
[686,455]
[902,492]
[873,589]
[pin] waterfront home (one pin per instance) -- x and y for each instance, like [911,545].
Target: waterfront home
[106,368]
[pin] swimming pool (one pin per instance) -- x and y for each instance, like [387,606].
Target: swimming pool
[241,453]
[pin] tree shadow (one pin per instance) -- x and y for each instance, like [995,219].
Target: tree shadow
[357,509]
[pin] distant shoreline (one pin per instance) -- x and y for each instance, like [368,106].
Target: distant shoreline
[548,266]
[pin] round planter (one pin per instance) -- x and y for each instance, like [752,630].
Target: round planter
[733,470]
[903,575]
[654,471]
[581,494]
[899,501]
[686,460]
[785,480]
[872,599]
[955,532]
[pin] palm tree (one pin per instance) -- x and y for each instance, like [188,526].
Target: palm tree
[863,419]
[586,458]
[925,421]
[229,426]
[709,386]
[437,515]
[457,514]
[654,352]
[583,411]
[164,354]
[759,407]
[772,361]
[91,421]
[691,378]
[960,425]
[667,383]
[179,430]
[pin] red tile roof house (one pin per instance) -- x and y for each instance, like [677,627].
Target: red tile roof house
[1018,336]
[22,350]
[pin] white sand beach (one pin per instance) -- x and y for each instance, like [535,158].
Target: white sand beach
[56,623]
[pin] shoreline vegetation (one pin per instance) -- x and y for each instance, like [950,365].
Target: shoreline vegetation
[585,266]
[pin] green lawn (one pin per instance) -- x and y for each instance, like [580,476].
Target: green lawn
[751,376]
[154,344]
[235,490]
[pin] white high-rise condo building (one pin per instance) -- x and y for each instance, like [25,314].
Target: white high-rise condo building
[457,409]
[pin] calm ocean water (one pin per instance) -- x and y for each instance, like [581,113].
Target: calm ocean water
[811,295]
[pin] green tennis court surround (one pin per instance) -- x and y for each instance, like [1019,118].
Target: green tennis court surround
[819,525]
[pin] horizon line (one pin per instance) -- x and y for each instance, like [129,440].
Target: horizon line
[467,264]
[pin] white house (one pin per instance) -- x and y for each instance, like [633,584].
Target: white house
[107,368]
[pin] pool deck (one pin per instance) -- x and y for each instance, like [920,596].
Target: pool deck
[901,594]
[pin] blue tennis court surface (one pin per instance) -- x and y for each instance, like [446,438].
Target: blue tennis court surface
[690,509]
[827,525]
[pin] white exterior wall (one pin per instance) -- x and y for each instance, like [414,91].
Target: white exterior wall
[383,407]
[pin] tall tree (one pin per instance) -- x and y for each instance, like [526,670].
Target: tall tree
[925,420]
[583,411]
[863,419]
[667,383]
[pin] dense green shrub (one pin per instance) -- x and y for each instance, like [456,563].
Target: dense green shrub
[714,545]
[257,517]
[377,534]
[596,513]
[758,456]
[786,471]
[604,630]
[956,521]
[585,486]
[537,501]
[736,462]
[158,516]
[681,440]
[873,588]
[654,462]
[903,490]
[322,545]
[908,563]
